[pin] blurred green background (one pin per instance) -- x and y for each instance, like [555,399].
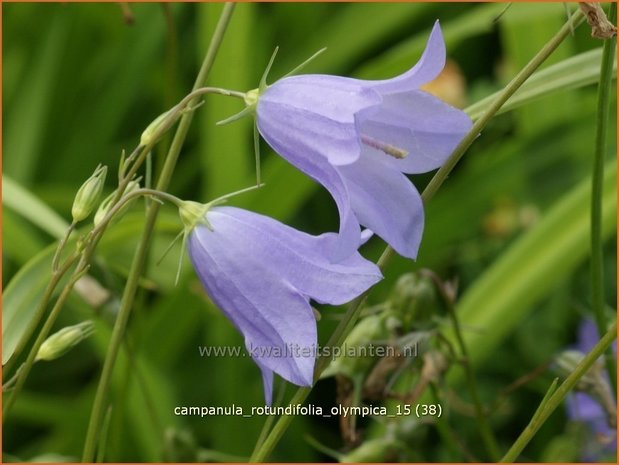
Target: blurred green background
[82,81]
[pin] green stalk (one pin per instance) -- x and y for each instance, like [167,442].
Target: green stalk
[140,257]
[27,365]
[551,402]
[80,270]
[597,243]
[354,307]
[39,313]
[484,429]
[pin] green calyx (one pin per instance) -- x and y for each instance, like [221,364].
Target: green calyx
[251,98]
[194,213]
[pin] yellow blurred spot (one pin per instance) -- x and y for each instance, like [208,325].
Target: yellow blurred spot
[449,86]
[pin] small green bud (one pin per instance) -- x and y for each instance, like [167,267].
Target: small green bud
[159,126]
[105,206]
[88,195]
[413,299]
[61,342]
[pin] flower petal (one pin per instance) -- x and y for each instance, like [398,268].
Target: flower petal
[428,67]
[299,258]
[386,202]
[318,168]
[315,113]
[267,382]
[270,314]
[418,123]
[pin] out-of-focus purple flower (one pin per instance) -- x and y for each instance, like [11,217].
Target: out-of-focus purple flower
[357,138]
[262,274]
[585,408]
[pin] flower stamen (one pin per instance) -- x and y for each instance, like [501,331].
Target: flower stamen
[392,150]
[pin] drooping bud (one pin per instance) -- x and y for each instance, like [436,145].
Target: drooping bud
[106,205]
[61,342]
[88,195]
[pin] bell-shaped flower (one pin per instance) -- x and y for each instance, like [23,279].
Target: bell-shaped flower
[262,275]
[358,137]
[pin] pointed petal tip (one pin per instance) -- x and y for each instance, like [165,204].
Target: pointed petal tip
[428,67]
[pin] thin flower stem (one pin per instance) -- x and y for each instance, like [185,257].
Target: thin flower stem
[351,315]
[40,312]
[27,365]
[484,429]
[552,401]
[597,243]
[137,158]
[140,257]
[61,246]
[95,235]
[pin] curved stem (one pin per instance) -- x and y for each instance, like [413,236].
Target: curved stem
[354,307]
[597,243]
[139,260]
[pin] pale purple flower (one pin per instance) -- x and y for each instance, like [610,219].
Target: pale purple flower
[262,274]
[585,408]
[357,138]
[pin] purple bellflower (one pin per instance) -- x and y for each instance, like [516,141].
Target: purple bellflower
[262,274]
[358,137]
[588,409]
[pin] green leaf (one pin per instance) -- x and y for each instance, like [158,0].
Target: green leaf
[20,200]
[26,127]
[499,299]
[21,297]
[517,53]
[574,72]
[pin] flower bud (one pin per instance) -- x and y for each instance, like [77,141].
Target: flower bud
[413,299]
[61,342]
[159,126]
[106,205]
[88,195]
